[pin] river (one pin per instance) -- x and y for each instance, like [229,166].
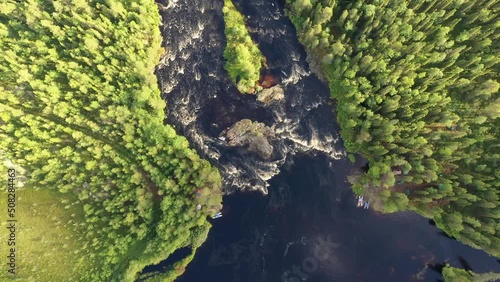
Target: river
[277,212]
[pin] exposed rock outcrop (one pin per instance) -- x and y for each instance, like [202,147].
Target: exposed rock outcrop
[254,136]
[315,67]
[269,95]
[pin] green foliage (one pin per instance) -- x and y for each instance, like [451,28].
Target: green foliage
[81,113]
[451,274]
[352,158]
[417,90]
[243,57]
[456,275]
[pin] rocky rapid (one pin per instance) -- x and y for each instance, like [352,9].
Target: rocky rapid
[203,102]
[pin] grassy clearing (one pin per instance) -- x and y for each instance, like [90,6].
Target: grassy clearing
[49,237]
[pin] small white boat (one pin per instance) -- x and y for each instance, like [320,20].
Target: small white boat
[360,201]
[217,215]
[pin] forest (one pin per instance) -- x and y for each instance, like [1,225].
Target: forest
[244,60]
[415,84]
[82,118]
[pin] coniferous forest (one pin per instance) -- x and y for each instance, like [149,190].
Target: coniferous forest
[81,115]
[416,88]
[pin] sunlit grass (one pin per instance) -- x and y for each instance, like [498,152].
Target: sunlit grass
[49,242]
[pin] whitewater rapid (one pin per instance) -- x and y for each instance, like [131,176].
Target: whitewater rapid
[202,101]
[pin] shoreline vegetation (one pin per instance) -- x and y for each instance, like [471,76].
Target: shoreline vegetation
[244,60]
[81,114]
[417,96]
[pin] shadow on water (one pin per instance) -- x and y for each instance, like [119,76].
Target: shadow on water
[464,263]
[437,269]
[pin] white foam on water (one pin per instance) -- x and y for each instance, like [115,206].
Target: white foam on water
[297,73]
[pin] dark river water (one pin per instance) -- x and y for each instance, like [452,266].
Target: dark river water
[292,216]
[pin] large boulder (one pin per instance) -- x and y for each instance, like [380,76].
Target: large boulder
[269,95]
[254,136]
